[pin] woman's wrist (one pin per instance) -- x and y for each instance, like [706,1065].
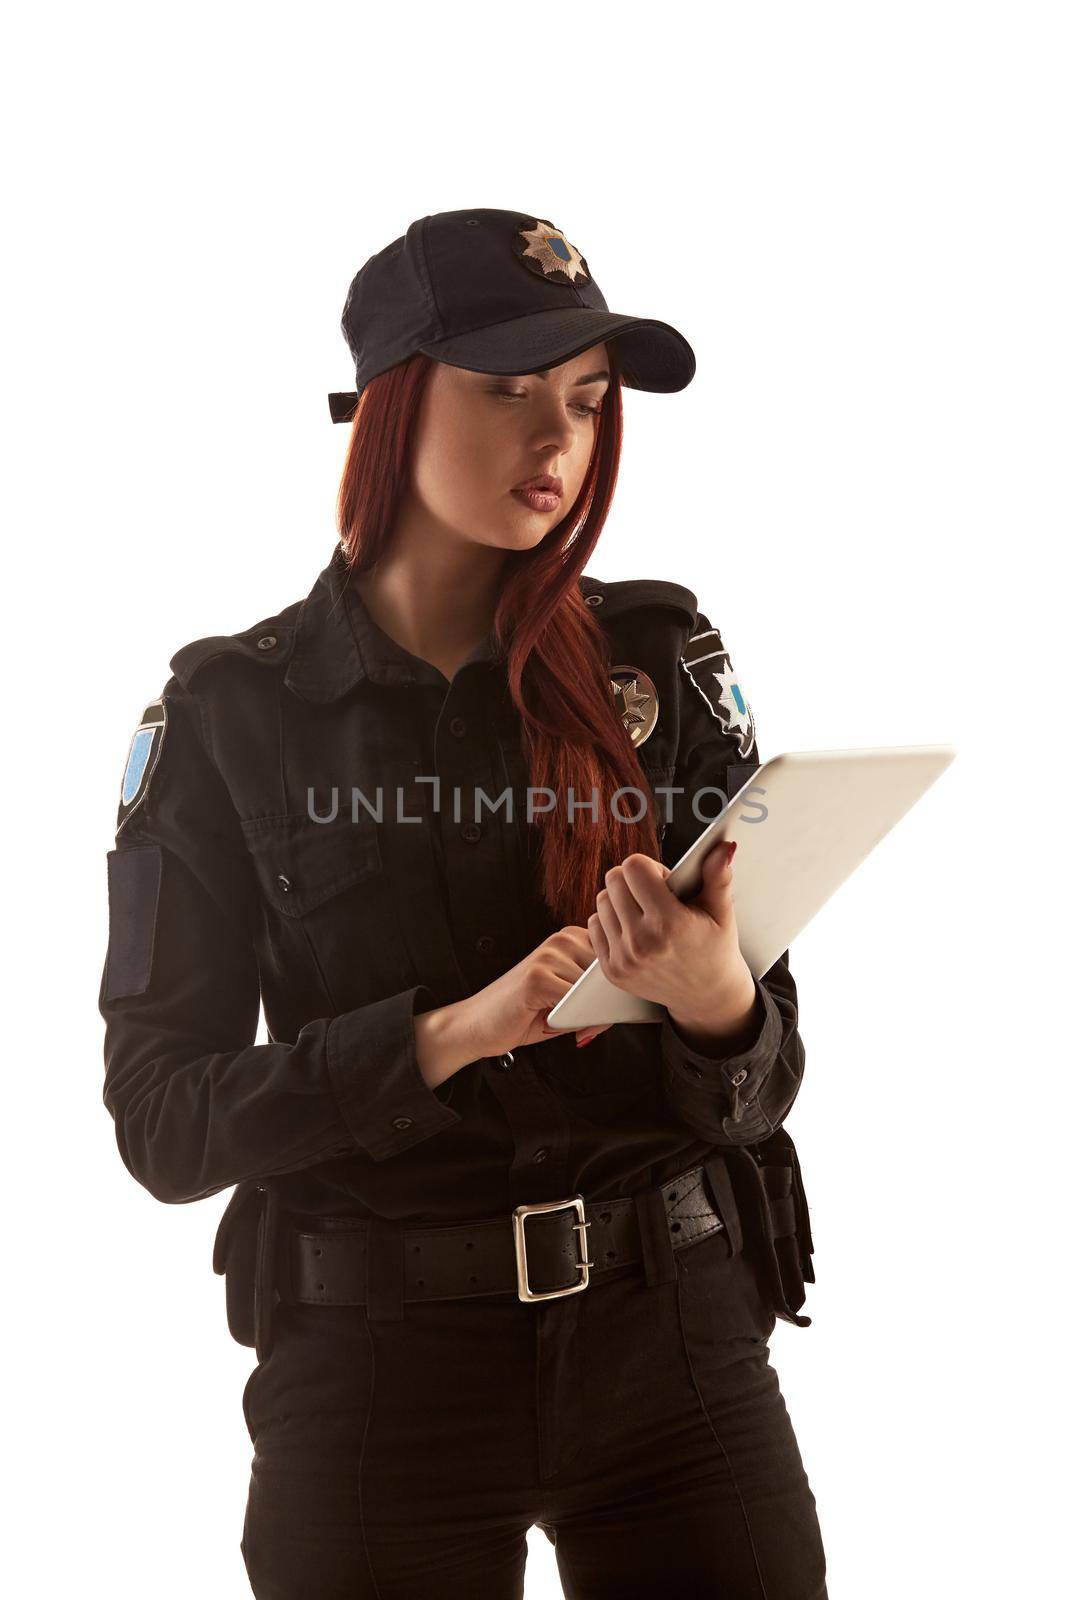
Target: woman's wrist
[445,1042]
[729,1030]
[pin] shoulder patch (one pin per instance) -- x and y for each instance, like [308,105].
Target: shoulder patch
[141,760]
[269,642]
[631,594]
[706,663]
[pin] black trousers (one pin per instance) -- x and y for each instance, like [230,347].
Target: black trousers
[642,1427]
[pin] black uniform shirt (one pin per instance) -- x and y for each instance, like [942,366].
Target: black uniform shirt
[244,871]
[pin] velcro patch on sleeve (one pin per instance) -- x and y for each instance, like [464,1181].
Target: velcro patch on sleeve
[133,879]
[738,774]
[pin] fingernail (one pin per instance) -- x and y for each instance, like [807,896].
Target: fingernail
[728,853]
[580,1041]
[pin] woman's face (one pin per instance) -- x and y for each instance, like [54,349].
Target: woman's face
[479,437]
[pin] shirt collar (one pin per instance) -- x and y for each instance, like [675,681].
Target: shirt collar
[338,643]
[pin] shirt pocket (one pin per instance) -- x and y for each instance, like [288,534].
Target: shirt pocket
[327,899]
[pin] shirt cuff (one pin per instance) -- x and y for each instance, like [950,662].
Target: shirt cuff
[385,1101]
[693,1076]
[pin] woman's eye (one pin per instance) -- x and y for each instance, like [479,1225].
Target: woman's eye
[520,394]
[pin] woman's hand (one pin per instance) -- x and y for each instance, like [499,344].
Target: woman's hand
[682,954]
[511,1011]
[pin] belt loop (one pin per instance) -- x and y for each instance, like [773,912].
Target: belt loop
[721,1191]
[266,1264]
[656,1249]
[283,1260]
[385,1271]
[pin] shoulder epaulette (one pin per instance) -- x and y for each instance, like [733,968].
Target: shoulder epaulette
[631,594]
[268,643]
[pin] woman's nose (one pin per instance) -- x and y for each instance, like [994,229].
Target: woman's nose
[558,429]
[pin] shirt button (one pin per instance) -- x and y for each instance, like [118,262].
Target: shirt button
[692,1067]
[267,642]
[457,727]
[739,1077]
[594,599]
[506,1061]
[400,1123]
[471,832]
[485,944]
[283,883]
[541,1155]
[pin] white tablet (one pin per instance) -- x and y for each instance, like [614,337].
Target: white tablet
[803,822]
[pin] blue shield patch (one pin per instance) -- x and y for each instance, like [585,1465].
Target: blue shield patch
[142,760]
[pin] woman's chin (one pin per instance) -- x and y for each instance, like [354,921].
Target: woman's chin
[524,530]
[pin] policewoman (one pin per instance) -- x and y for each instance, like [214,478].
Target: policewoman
[496,1276]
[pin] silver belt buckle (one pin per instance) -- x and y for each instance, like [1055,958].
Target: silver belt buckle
[518,1223]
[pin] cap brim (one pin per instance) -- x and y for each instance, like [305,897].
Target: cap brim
[651,355]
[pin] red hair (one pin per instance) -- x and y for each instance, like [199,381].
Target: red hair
[557,653]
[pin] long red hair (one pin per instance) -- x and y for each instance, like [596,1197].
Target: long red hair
[557,653]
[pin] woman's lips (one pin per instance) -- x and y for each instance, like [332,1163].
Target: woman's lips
[538,499]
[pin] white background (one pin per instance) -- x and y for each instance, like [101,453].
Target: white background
[855,213]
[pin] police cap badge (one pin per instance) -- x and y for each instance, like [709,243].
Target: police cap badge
[549,253]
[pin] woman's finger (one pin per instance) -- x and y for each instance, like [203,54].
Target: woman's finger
[622,900]
[608,912]
[645,881]
[599,940]
[716,894]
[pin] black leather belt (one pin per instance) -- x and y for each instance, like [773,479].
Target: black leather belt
[539,1252]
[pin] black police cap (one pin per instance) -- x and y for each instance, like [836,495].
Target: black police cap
[494,291]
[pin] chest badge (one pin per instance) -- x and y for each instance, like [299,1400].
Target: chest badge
[636,701]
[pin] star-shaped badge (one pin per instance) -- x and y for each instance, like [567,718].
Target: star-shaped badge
[549,253]
[738,715]
[636,701]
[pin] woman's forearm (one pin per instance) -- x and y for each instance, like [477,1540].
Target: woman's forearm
[445,1041]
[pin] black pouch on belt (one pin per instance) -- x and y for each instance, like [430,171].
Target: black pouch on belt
[768,1177]
[246,1251]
